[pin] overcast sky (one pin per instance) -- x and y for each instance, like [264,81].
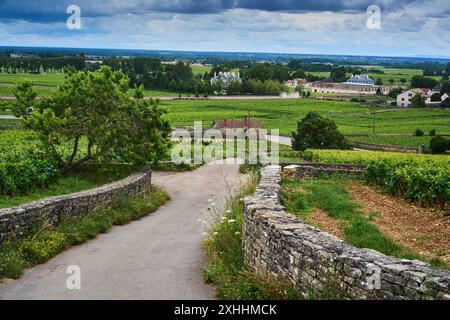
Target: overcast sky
[408,27]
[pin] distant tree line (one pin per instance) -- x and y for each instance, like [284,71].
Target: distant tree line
[36,64]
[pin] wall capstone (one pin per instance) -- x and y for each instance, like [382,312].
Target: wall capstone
[280,245]
[18,221]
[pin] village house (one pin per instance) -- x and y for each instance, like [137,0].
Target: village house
[243,124]
[404,99]
[294,83]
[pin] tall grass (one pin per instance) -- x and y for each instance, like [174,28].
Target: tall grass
[226,267]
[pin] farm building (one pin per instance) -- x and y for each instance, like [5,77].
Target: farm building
[346,88]
[244,124]
[294,83]
[404,99]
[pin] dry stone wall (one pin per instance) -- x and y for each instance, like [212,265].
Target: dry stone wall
[280,245]
[18,221]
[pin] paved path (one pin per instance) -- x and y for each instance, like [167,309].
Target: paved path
[7,117]
[157,257]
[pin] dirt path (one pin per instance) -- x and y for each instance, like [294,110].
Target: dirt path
[158,257]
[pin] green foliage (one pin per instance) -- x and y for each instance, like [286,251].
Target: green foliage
[20,174]
[439,144]
[395,92]
[338,74]
[427,184]
[97,107]
[419,133]
[226,268]
[46,243]
[418,101]
[25,95]
[315,131]
[432,132]
[419,81]
[436,97]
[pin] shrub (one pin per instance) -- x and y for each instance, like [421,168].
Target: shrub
[317,132]
[439,144]
[19,175]
[419,133]
[432,132]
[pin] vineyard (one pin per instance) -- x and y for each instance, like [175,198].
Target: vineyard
[351,118]
[421,178]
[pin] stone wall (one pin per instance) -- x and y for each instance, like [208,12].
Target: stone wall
[385,147]
[18,221]
[310,170]
[320,265]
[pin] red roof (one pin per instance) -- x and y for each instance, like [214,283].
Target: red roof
[237,124]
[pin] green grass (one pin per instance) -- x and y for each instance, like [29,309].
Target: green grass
[225,266]
[284,114]
[329,195]
[44,243]
[38,79]
[404,141]
[75,182]
[200,70]
[7,90]
[159,93]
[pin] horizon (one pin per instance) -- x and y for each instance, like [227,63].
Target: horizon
[436,57]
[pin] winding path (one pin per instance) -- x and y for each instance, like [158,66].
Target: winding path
[157,257]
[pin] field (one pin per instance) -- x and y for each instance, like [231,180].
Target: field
[51,80]
[389,73]
[157,93]
[284,114]
[45,82]
[199,69]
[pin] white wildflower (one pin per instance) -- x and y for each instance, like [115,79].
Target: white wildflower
[231,221]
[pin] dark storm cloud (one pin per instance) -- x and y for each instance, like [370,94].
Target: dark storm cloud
[55,10]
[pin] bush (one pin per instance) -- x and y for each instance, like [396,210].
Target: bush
[439,144]
[432,132]
[419,133]
[317,132]
[425,183]
[31,170]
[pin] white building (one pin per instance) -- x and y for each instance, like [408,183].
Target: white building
[225,77]
[346,88]
[361,80]
[294,83]
[404,99]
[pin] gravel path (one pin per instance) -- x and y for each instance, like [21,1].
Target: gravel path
[157,257]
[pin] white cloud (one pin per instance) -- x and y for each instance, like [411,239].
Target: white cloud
[415,30]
